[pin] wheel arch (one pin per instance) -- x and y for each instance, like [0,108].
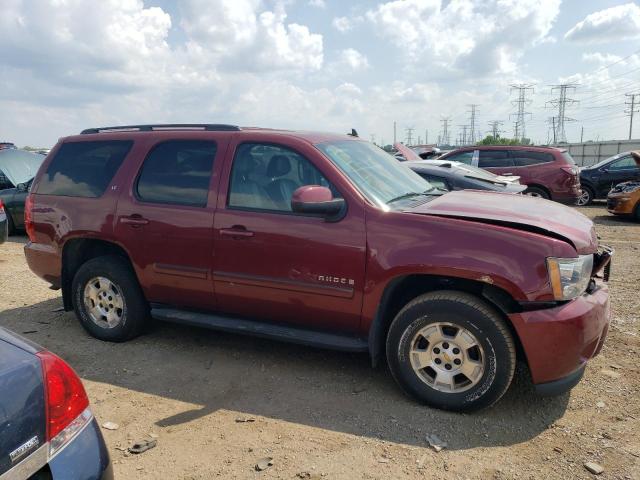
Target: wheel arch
[79,250]
[402,289]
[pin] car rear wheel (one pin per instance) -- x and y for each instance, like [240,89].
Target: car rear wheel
[536,192]
[585,198]
[452,351]
[108,300]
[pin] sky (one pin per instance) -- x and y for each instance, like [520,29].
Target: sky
[328,65]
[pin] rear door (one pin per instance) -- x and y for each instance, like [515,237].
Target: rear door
[272,264]
[165,216]
[496,161]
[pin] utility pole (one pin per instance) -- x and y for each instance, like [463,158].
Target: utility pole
[472,122]
[426,136]
[495,128]
[373,138]
[552,122]
[521,102]
[582,133]
[633,105]
[394,133]
[444,136]
[409,131]
[561,103]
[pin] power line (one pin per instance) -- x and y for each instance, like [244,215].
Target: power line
[519,127]
[632,109]
[472,122]
[561,104]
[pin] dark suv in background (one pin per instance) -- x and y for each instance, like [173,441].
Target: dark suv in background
[323,240]
[548,172]
[597,180]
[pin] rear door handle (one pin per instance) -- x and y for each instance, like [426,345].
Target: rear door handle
[134,220]
[237,231]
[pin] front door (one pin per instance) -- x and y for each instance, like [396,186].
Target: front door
[272,264]
[165,219]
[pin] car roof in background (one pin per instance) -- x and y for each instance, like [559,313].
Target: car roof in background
[19,165]
[533,148]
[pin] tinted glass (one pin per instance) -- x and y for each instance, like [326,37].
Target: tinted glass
[464,157]
[625,163]
[83,169]
[177,172]
[4,181]
[437,182]
[495,158]
[524,159]
[264,177]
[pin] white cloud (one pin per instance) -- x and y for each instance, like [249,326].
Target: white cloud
[612,24]
[317,3]
[600,58]
[474,36]
[353,60]
[342,24]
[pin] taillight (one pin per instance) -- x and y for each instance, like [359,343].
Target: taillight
[66,401]
[1,206]
[28,218]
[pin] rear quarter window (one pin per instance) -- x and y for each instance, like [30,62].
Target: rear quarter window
[83,169]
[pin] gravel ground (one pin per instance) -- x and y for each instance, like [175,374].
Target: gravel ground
[218,403]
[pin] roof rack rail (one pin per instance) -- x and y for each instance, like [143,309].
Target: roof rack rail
[212,127]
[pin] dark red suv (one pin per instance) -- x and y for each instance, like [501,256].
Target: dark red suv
[323,240]
[548,172]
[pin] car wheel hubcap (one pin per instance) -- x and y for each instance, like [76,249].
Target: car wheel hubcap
[534,194]
[583,199]
[447,357]
[104,302]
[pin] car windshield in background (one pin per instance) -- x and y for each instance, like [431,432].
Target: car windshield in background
[379,176]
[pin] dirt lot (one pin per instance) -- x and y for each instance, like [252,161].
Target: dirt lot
[323,414]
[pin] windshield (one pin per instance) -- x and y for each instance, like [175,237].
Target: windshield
[379,176]
[18,165]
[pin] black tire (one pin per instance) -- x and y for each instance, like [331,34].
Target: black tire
[636,212]
[537,192]
[586,198]
[135,309]
[462,310]
[11,228]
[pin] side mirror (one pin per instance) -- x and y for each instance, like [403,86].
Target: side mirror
[22,187]
[317,200]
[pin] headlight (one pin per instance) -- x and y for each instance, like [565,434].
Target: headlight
[631,188]
[569,276]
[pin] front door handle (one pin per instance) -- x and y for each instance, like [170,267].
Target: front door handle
[134,220]
[237,231]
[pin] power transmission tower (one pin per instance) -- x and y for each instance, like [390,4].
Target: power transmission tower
[633,104]
[463,134]
[561,103]
[495,128]
[551,135]
[521,102]
[444,136]
[472,122]
[409,131]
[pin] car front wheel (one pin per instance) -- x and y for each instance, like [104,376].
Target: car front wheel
[108,300]
[452,351]
[585,198]
[536,192]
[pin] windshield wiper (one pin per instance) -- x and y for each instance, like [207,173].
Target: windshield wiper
[410,194]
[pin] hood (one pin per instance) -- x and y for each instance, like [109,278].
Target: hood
[19,166]
[407,153]
[517,211]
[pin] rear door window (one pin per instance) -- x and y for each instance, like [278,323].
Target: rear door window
[177,172]
[83,169]
[523,158]
[495,158]
[462,157]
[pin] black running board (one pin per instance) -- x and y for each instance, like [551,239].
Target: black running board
[259,329]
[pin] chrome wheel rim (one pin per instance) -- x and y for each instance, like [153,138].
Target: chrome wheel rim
[447,357]
[104,302]
[583,199]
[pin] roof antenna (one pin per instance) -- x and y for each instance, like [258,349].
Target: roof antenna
[353,133]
